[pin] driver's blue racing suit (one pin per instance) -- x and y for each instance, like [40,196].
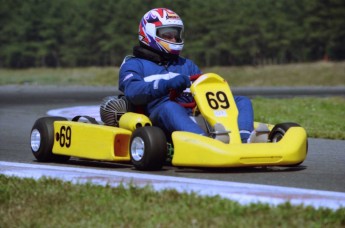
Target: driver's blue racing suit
[139,79]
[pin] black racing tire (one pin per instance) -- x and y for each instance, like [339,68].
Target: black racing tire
[148,148]
[42,144]
[278,133]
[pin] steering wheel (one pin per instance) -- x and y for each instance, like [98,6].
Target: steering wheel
[174,94]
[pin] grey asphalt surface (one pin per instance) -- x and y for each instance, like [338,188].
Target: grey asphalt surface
[20,106]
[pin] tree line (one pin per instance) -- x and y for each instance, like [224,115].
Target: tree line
[75,33]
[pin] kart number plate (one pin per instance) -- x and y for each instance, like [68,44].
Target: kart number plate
[217,100]
[64,136]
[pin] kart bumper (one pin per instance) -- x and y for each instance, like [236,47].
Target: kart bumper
[199,151]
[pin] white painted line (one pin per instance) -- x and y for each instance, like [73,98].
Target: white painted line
[240,192]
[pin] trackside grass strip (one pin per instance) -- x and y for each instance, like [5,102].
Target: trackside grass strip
[53,203]
[302,74]
[321,117]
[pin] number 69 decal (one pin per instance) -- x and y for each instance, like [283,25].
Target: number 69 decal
[218,99]
[64,137]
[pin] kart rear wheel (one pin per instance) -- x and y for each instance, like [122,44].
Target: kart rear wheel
[148,148]
[278,133]
[42,140]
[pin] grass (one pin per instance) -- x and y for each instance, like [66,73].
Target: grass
[321,117]
[303,74]
[53,203]
[94,76]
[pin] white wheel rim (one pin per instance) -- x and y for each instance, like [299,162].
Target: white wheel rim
[137,148]
[35,140]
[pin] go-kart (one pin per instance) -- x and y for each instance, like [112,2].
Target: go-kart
[127,136]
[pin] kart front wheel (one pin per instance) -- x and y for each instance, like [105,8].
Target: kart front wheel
[42,140]
[148,148]
[278,133]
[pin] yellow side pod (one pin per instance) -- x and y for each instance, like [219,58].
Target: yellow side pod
[199,151]
[85,140]
[132,121]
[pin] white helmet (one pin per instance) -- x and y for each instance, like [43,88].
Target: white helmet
[162,30]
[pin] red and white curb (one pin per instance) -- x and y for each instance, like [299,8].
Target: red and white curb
[239,192]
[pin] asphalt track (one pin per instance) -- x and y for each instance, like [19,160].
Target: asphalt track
[20,106]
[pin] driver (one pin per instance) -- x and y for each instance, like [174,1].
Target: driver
[157,67]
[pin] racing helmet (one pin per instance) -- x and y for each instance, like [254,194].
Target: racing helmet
[162,30]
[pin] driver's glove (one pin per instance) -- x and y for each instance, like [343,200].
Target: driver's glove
[178,83]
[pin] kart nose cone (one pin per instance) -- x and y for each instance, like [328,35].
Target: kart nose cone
[137,149]
[35,140]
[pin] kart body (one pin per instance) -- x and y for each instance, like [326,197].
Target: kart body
[135,140]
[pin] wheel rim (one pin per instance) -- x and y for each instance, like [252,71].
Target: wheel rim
[137,148]
[35,140]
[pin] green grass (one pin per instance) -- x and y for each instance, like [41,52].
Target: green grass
[94,76]
[53,203]
[303,74]
[321,117]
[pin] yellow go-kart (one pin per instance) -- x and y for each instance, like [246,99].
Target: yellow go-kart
[130,137]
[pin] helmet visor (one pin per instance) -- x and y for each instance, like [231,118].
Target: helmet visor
[171,34]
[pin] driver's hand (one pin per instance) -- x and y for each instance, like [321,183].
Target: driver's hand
[179,83]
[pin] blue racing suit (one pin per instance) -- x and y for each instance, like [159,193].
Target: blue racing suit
[140,80]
